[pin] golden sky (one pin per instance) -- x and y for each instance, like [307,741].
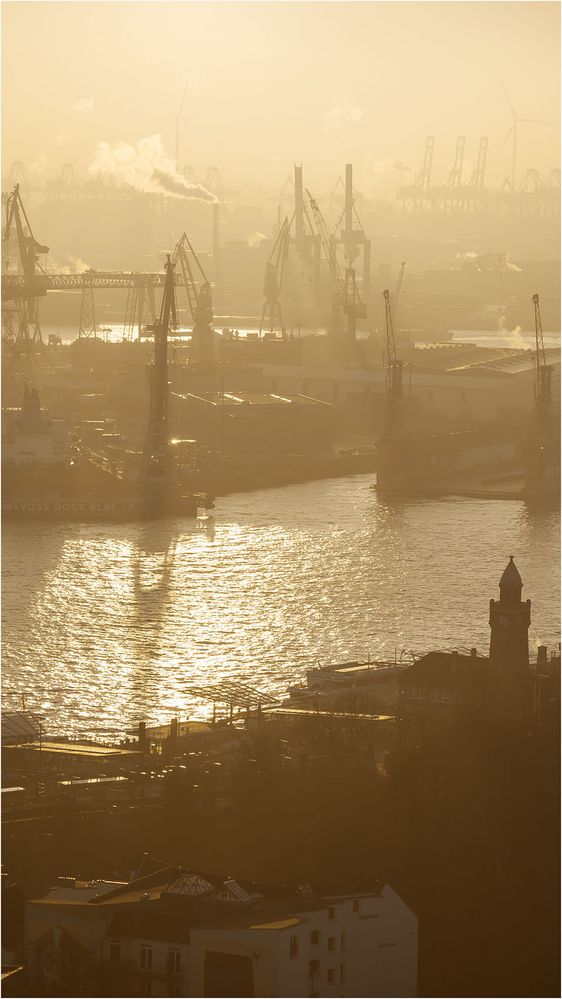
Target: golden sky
[274,83]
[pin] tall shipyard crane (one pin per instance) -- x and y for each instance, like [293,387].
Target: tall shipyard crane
[394,369]
[347,295]
[29,250]
[273,281]
[199,301]
[156,456]
[543,371]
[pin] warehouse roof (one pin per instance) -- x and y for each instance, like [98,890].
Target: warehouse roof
[446,358]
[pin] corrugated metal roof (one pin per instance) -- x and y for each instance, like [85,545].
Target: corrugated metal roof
[20,726]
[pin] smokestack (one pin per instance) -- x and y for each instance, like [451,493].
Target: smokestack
[299,211]
[348,207]
[542,660]
[216,245]
[142,734]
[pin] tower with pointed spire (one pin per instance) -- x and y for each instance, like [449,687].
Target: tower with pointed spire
[508,678]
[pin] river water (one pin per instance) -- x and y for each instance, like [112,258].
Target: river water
[104,625]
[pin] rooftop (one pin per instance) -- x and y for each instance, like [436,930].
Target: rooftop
[149,906]
[446,358]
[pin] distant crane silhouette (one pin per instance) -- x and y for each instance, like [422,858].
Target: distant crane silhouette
[514,131]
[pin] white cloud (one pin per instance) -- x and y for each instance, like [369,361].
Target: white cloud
[343,112]
[84,105]
[390,165]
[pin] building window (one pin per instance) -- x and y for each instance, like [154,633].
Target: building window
[342,942]
[331,943]
[173,963]
[331,974]
[146,987]
[342,974]
[294,947]
[315,937]
[313,967]
[356,900]
[146,959]
[331,913]
[114,952]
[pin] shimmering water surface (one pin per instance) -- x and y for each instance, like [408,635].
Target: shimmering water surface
[104,625]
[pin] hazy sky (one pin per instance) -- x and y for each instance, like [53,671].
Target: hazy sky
[274,83]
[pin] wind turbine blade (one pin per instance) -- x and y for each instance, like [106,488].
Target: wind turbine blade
[506,138]
[509,102]
[183,99]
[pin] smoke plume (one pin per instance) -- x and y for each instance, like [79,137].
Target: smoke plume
[146,167]
[255,239]
[75,265]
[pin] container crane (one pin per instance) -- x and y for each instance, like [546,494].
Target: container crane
[394,369]
[543,371]
[29,250]
[273,282]
[347,295]
[199,301]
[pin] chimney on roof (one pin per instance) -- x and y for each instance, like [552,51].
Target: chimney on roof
[473,653]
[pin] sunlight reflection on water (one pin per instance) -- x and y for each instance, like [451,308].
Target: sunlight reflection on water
[104,625]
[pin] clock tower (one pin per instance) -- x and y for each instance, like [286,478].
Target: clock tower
[510,617]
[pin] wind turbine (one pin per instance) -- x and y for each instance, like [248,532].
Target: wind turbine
[180,120]
[513,131]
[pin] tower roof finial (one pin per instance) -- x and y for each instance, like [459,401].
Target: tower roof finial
[511,583]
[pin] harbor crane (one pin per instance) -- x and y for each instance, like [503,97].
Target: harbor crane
[199,301]
[29,251]
[394,368]
[273,282]
[350,233]
[347,295]
[156,458]
[543,371]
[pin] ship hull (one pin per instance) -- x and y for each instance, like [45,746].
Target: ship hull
[98,511]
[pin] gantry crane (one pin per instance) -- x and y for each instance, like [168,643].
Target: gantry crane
[199,302]
[394,368]
[28,250]
[273,282]
[347,295]
[543,371]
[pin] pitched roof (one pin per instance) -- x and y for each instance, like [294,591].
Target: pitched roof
[445,670]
